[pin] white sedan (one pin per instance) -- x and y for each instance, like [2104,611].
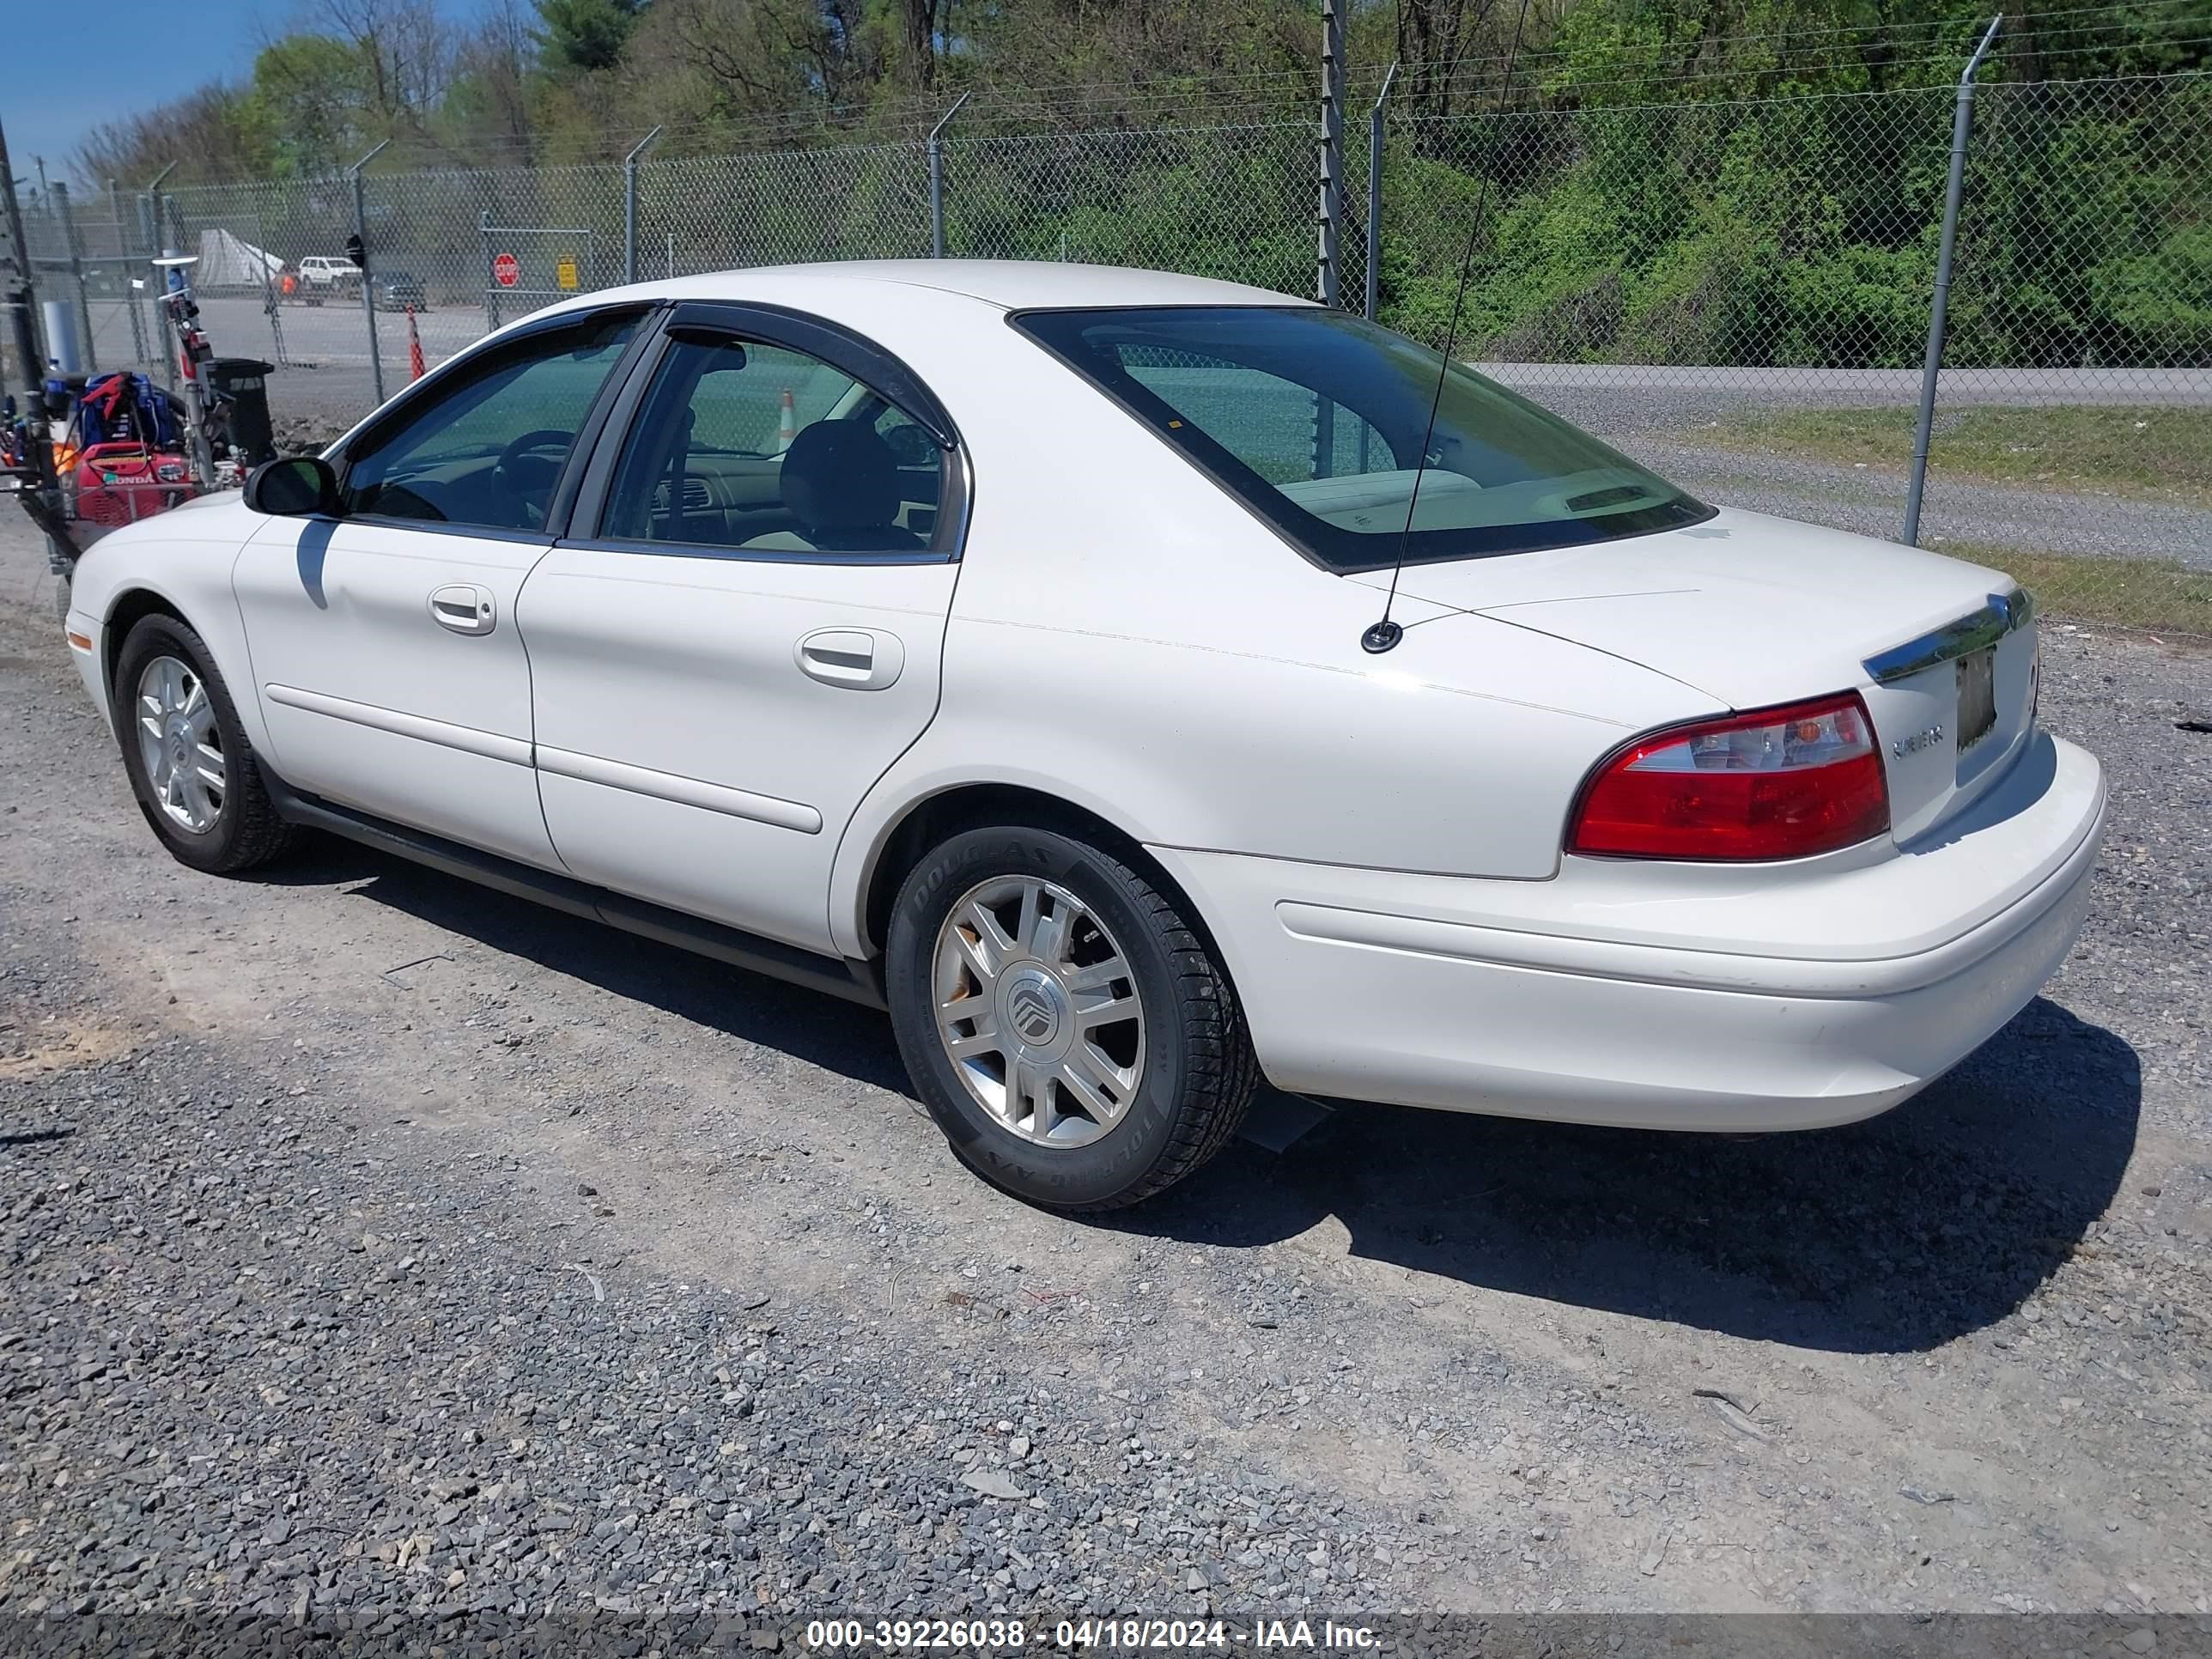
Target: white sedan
[993,642]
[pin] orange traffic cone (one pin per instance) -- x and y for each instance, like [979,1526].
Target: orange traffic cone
[414,348]
[786,422]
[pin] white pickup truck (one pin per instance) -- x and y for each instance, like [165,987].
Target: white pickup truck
[323,274]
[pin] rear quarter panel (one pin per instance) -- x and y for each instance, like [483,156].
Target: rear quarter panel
[1126,637]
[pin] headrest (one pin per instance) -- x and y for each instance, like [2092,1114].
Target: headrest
[839,475]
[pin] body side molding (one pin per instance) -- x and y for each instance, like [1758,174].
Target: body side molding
[492,745]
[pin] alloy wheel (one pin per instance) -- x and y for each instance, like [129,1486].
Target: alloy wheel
[181,745]
[1038,1011]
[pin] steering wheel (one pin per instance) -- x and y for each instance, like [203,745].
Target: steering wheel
[527,475]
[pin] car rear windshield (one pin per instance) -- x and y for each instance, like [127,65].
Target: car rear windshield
[1314,421]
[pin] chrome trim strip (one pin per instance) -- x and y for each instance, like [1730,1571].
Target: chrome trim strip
[684,791]
[640,549]
[467,738]
[2003,614]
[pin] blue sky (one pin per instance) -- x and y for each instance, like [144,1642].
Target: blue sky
[89,63]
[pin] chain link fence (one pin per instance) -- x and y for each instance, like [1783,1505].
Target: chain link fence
[1737,293]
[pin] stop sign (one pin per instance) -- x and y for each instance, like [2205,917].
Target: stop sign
[506,270]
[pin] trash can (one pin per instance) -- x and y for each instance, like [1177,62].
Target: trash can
[239,385]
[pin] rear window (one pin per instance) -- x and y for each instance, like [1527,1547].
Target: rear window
[1315,420]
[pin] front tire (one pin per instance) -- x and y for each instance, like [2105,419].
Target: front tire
[193,772]
[1062,1020]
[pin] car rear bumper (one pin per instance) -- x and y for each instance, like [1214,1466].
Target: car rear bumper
[1676,997]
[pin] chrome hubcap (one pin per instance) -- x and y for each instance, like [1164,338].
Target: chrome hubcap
[181,745]
[1038,1011]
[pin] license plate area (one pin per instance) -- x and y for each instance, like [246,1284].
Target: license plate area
[1978,697]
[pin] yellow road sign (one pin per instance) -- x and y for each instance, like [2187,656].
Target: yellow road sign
[565,273]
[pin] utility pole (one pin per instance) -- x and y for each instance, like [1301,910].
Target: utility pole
[40,495]
[16,287]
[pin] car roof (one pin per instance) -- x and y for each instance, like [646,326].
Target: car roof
[1009,284]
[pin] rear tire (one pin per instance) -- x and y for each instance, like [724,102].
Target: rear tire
[1062,1020]
[222,827]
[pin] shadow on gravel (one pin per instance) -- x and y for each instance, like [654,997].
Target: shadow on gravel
[34,1137]
[1896,1235]
[809,1025]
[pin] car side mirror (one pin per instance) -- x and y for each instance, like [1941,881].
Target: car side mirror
[292,487]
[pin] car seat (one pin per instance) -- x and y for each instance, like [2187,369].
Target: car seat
[841,481]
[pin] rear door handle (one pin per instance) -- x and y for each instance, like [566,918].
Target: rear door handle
[464,608]
[857,658]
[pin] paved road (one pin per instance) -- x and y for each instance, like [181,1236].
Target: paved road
[335,335]
[377,1246]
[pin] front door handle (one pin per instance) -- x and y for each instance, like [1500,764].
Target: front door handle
[464,608]
[857,658]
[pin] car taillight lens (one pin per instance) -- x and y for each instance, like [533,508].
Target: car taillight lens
[1775,783]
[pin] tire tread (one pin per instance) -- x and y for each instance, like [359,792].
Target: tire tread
[1219,1072]
[1223,1071]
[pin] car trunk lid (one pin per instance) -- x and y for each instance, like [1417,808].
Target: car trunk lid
[1754,611]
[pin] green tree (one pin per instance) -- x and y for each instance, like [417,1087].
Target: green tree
[312,92]
[585,36]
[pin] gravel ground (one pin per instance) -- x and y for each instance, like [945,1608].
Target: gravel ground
[377,1249]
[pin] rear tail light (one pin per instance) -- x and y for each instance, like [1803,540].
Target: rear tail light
[1775,783]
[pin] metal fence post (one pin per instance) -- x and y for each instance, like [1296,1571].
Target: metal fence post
[629,205]
[937,179]
[1375,192]
[483,272]
[270,302]
[76,271]
[1962,115]
[1332,148]
[123,254]
[367,287]
[155,228]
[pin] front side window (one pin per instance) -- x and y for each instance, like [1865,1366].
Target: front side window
[741,444]
[487,447]
[1316,420]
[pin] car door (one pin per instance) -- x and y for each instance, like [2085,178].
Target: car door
[744,631]
[386,654]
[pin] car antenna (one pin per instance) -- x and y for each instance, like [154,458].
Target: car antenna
[1383,635]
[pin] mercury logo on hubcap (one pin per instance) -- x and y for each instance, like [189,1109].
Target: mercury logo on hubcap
[1038,1011]
[1031,1010]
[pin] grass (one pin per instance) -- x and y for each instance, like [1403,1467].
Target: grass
[2162,454]
[2154,594]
